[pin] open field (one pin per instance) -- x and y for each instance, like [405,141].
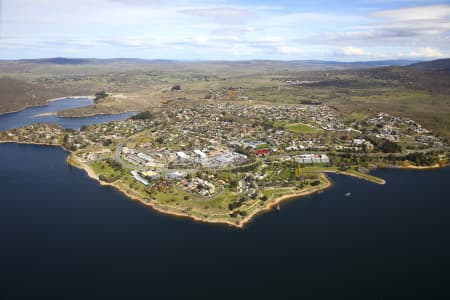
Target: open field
[301,128]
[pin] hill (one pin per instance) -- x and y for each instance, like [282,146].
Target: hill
[83,61]
[304,64]
[58,61]
[420,91]
[17,94]
[435,65]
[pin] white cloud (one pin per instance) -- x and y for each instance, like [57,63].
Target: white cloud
[427,52]
[414,27]
[227,15]
[219,29]
[354,51]
[291,50]
[215,12]
[137,2]
[271,40]
[415,13]
[241,50]
[201,40]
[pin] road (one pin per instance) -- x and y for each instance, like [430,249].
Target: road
[126,164]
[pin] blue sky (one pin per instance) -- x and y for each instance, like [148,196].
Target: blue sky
[226,30]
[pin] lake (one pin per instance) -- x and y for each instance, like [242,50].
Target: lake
[31,115]
[60,229]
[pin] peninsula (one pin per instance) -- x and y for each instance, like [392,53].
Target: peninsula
[227,162]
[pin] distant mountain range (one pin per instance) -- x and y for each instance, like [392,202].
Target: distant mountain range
[81,61]
[435,65]
[294,63]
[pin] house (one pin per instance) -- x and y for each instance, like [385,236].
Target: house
[150,174]
[312,158]
[136,176]
[182,155]
[261,152]
[200,154]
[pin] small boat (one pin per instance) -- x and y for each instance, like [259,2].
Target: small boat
[348,194]
[278,207]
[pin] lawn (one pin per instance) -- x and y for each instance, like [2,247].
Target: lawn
[101,167]
[277,192]
[301,128]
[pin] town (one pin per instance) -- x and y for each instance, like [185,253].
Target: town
[225,162]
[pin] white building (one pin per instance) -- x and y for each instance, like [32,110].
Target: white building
[138,177]
[182,155]
[312,158]
[200,154]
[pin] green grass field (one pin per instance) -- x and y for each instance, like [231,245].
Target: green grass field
[301,128]
[101,167]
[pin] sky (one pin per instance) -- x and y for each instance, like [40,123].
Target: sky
[226,29]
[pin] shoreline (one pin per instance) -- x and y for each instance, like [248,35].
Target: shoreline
[35,143]
[57,113]
[268,206]
[91,174]
[412,167]
[276,201]
[44,114]
[93,115]
[46,102]
[376,180]
[380,181]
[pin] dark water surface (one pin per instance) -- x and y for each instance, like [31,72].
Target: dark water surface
[31,115]
[60,229]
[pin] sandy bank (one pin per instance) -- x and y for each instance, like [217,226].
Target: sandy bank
[411,167]
[301,193]
[362,177]
[239,223]
[44,114]
[171,211]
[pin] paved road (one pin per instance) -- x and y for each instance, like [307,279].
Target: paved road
[128,165]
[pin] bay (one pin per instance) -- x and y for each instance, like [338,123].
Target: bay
[43,114]
[61,230]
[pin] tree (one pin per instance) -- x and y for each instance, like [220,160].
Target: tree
[233,183]
[390,147]
[243,213]
[298,172]
[99,96]
[315,183]
[145,115]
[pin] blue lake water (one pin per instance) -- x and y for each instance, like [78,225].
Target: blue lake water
[61,230]
[31,115]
